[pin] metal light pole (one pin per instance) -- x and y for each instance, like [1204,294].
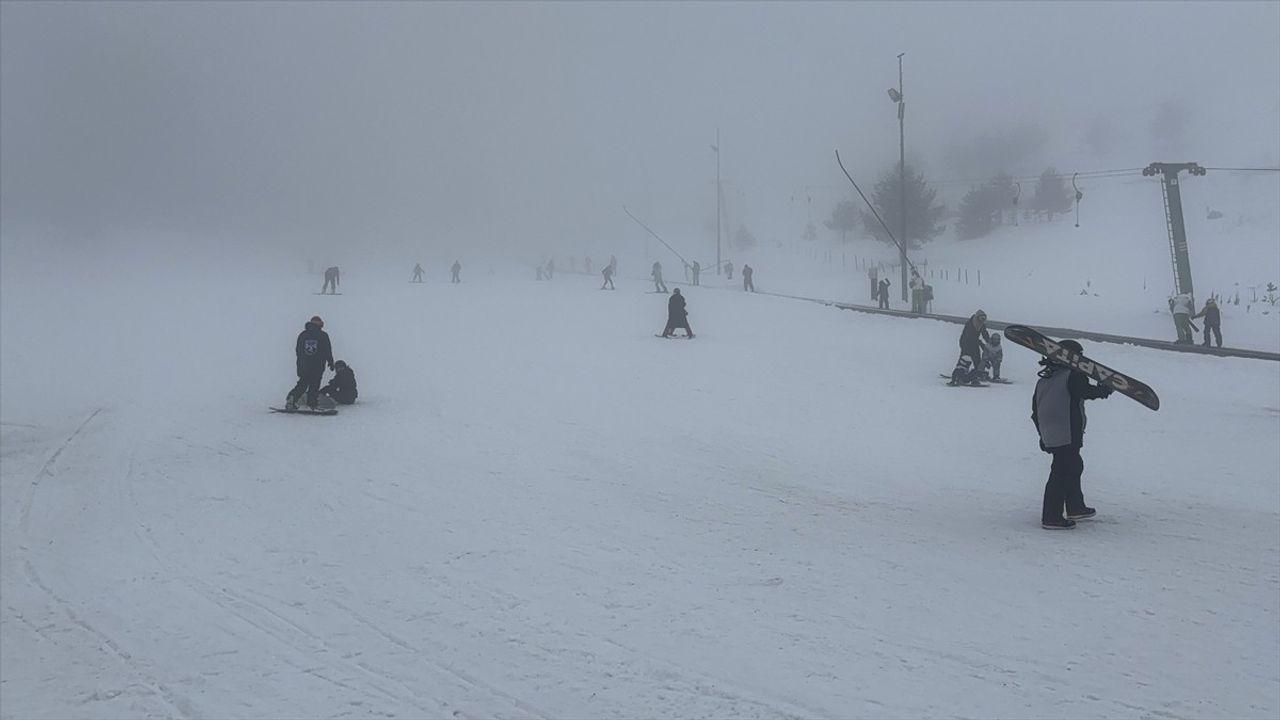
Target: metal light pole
[902,176]
[716,147]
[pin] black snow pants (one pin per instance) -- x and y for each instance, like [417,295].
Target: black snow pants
[1217,331]
[1062,491]
[309,377]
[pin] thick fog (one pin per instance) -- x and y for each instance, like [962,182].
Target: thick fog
[527,126]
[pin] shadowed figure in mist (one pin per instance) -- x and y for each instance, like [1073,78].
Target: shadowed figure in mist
[330,281]
[677,315]
[457,270]
[417,272]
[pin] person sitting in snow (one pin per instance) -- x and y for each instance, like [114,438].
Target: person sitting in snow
[677,315]
[342,388]
[1057,411]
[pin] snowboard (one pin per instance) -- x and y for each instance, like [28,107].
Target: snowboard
[303,411]
[1121,383]
[674,337]
[983,383]
[327,293]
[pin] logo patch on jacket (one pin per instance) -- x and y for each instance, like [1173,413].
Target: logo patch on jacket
[311,347]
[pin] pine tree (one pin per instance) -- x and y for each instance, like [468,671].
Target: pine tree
[923,213]
[983,207]
[1051,195]
[844,218]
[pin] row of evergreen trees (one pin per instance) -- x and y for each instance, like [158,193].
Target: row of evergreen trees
[981,209]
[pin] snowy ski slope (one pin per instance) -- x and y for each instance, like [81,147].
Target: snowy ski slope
[539,510]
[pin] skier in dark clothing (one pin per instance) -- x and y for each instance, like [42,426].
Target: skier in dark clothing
[1057,410]
[697,271]
[330,281]
[728,268]
[973,335]
[607,272]
[457,268]
[677,315]
[1212,321]
[747,284]
[656,273]
[883,293]
[417,272]
[342,387]
[313,352]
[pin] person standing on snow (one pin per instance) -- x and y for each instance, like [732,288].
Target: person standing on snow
[916,286]
[747,284]
[658,285]
[330,281]
[677,315]
[313,351]
[1181,305]
[697,270]
[728,268]
[607,272]
[587,264]
[551,267]
[993,356]
[1057,411]
[883,294]
[417,272]
[457,270]
[342,388]
[1212,321]
[972,338]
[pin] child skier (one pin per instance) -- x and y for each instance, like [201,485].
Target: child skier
[342,387]
[993,355]
[1057,411]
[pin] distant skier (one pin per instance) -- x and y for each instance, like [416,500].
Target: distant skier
[883,294]
[656,273]
[1057,410]
[312,351]
[457,270]
[873,273]
[613,265]
[677,315]
[551,267]
[916,285]
[417,272]
[573,264]
[330,281]
[539,272]
[697,270]
[342,387]
[1212,321]
[608,277]
[728,268]
[747,273]
[587,264]
[1181,305]
[993,357]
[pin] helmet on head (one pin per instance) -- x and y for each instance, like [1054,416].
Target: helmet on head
[981,314]
[340,364]
[995,338]
[316,319]
[1073,346]
[676,290]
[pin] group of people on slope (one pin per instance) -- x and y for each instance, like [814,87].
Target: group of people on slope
[921,292]
[456,269]
[981,353]
[314,352]
[1182,306]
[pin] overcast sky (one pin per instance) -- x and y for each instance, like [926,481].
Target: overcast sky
[531,123]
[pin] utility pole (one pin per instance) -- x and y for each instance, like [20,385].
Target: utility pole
[716,147]
[1177,228]
[896,96]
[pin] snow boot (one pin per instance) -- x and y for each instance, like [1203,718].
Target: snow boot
[290,403]
[1082,514]
[1057,524]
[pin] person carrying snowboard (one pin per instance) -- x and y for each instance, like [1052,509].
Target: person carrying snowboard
[747,284]
[1212,321]
[313,351]
[658,285]
[342,388]
[1057,411]
[607,272]
[417,272]
[677,315]
[330,281]
[883,293]
[457,269]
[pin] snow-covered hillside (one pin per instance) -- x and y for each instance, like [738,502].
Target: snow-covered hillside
[537,509]
[1111,274]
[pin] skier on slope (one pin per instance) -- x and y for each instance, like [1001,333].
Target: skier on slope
[656,273]
[342,388]
[993,356]
[1181,305]
[697,271]
[417,272]
[728,268]
[748,285]
[972,338]
[607,272]
[312,351]
[1212,321]
[916,285]
[551,268]
[1057,411]
[677,315]
[330,281]
[457,269]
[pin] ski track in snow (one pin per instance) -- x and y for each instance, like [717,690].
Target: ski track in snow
[680,538]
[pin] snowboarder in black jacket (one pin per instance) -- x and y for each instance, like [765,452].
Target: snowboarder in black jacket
[883,293]
[677,315]
[1212,321]
[1057,411]
[330,281]
[313,352]
[971,339]
[342,387]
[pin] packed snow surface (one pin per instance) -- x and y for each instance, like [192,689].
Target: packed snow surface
[539,510]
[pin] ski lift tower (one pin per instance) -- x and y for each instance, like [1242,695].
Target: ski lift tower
[1172,194]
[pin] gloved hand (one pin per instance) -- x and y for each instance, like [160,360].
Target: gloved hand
[1106,391]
